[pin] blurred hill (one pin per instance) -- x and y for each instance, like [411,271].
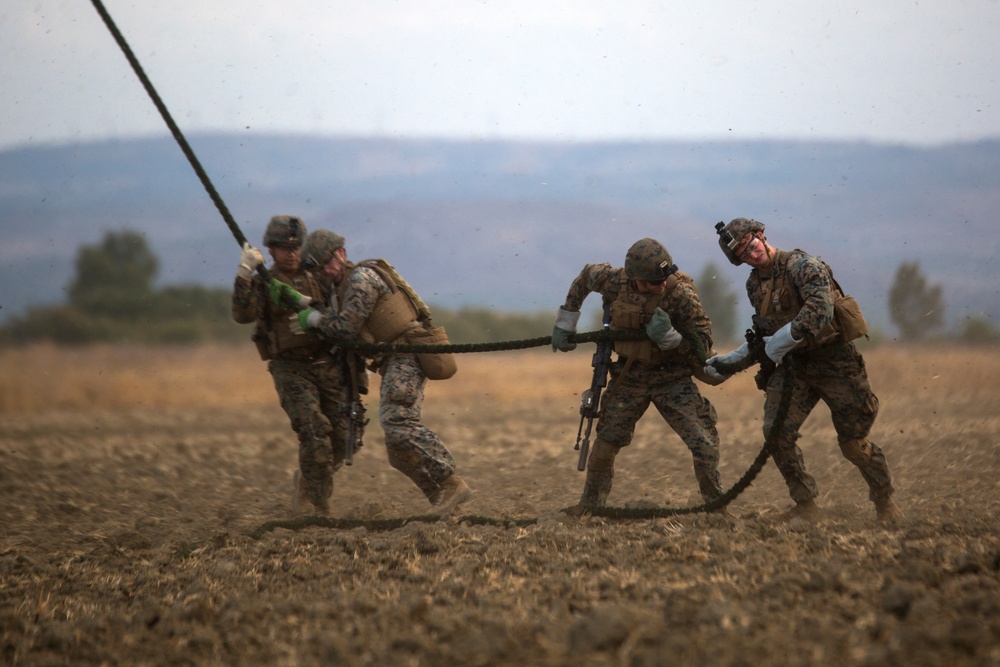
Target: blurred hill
[507,225]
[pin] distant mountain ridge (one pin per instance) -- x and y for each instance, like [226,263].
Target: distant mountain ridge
[508,225]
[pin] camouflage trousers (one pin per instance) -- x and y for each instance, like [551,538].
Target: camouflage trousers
[676,397]
[837,376]
[413,449]
[313,396]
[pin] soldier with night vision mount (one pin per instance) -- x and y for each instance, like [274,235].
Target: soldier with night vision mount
[306,376]
[807,325]
[370,301]
[649,294]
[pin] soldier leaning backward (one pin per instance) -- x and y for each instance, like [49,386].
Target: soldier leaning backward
[364,304]
[794,293]
[649,294]
[306,375]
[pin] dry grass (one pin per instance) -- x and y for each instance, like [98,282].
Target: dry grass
[41,378]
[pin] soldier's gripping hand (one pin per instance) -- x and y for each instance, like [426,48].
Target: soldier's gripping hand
[780,344]
[304,320]
[565,327]
[250,259]
[662,332]
[720,366]
[280,291]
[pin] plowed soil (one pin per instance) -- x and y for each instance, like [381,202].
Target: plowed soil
[144,520]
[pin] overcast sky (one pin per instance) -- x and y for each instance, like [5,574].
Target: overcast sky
[917,72]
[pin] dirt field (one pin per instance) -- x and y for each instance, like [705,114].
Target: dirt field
[144,504]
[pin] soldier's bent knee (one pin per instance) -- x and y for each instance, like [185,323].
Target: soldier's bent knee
[857,451]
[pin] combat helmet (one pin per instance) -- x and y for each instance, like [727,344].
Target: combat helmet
[285,230]
[732,234]
[320,244]
[647,259]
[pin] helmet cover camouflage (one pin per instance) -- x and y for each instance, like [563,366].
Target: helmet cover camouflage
[731,235]
[647,259]
[320,244]
[285,231]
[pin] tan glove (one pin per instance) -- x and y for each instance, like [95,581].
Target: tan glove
[250,259]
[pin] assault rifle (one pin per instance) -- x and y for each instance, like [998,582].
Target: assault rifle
[590,401]
[755,340]
[354,409]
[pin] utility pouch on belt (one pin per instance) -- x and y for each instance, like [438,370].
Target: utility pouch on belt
[850,319]
[435,365]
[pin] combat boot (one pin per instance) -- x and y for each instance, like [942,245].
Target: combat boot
[807,510]
[600,474]
[596,489]
[301,503]
[887,511]
[454,492]
[300,499]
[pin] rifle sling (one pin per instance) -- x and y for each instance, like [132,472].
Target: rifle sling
[621,376]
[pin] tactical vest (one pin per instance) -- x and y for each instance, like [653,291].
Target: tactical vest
[632,311]
[394,313]
[273,334]
[779,302]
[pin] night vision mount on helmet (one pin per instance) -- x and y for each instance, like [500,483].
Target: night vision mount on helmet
[732,234]
[647,259]
[285,230]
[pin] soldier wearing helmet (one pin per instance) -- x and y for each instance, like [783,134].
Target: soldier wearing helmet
[370,301]
[650,295]
[305,374]
[797,304]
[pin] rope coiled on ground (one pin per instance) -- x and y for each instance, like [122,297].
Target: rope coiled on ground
[606,511]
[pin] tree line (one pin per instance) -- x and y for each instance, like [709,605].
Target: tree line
[112,299]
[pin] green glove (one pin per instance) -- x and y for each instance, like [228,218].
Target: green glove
[279,289]
[304,320]
[560,340]
[565,327]
[662,332]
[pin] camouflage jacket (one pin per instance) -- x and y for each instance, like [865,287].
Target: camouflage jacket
[681,302]
[356,297]
[809,308]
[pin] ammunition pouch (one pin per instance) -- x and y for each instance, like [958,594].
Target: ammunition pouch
[435,365]
[632,312]
[850,320]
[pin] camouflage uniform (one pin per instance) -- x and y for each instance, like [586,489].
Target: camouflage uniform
[833,372]
[663,380]
[306,376]
[413,449]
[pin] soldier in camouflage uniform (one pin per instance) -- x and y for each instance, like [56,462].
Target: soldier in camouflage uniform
[306,375]
[793,292]
[649,294]
[366,304]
